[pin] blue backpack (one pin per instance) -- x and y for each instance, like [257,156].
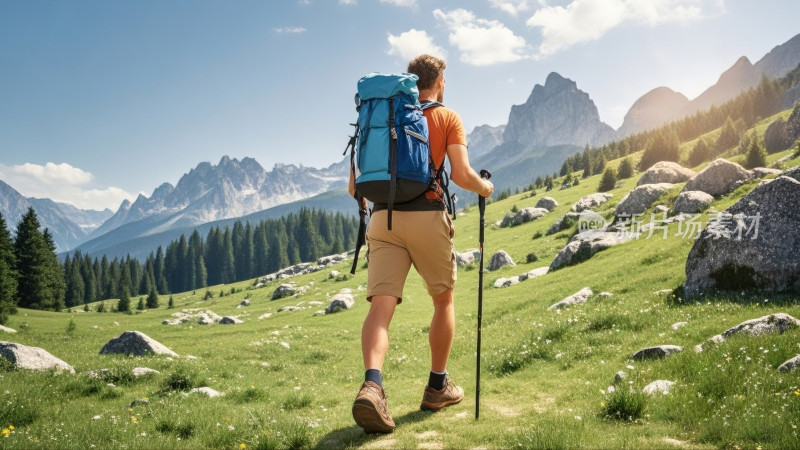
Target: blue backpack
[389,151]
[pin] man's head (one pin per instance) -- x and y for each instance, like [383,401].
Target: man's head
[430,70]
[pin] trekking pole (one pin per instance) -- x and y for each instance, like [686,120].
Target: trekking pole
[481,208]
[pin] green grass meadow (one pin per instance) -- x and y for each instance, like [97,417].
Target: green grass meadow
[289,380]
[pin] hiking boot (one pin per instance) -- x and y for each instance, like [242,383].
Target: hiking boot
[434,400]
[370,411]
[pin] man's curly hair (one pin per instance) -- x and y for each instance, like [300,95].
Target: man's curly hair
[428,68]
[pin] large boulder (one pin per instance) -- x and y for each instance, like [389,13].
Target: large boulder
[753,245]
[524,215]
[718,178]
[665,172]
[761,172]
[339,302]
[590,201]
[691,202]
[284,290]
[657,352]
[564,222]
[658,387]
[771,323]
[575,299]
[230,320]
[135,343]
[500,259]
[33,358]
[583,246]
[640,198]
[468,257]
[7,330]
[548,203]
[790,365]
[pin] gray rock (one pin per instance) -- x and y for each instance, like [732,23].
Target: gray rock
[332,259]
[340,302]
[284,290]
[772,323]
[692,202]
[524,215]
[506,282]
[678,325]
[790,365]
[548,203]
[265,316]
[334,274]
[761,172]
[640,198]
[583,246]
[171,322]
[660,209]
[665,172]
[500,259]
[245,302]
[656,352]
[32,358]
[230,320]
[659,387]
[205,319]
[211,393]
[575,299]
[538,272]
[289,308]
[753,245]
[468,257]
[605,294]
[591,201]
[619,376]
[142,371]
[564,222]
[135,343]
[793,172]
[7,330]
[718,178]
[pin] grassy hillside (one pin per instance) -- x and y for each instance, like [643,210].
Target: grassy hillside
[290,379]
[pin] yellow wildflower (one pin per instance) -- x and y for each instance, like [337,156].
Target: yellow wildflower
[11,427]
[603,404]
[6,432]
[242,446]
[134,419]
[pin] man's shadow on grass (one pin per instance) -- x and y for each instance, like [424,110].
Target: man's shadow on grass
[354,436]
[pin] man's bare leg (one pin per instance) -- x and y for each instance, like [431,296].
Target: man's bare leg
[443,326]
[375,331]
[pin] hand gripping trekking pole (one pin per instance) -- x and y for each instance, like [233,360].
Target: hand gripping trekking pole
[481,208]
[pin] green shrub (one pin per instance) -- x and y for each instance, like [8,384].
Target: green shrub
[531,258]
[624,404]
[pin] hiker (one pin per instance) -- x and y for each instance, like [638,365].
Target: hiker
[421,234]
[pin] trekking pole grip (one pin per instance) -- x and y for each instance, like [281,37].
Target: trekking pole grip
[481,200]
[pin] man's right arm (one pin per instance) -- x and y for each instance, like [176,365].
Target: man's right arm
[462,173]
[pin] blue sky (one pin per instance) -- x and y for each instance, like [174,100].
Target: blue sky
[103,100]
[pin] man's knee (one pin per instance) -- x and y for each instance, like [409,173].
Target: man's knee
[444,299]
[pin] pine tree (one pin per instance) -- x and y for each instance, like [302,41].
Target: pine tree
[171,303]
[140,305]
[75,287]
[587,163]
[228,265]
[124,303]
[756,155]
[728,137]
[8,279]
[548,183]
[158,269]
[278,243]
[39,275]
[625,169]
[152,298]
[608,181]
[600,166]
[700,153]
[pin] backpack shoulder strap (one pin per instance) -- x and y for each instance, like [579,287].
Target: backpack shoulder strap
[426,105]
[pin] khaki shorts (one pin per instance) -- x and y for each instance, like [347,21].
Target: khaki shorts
[421,238]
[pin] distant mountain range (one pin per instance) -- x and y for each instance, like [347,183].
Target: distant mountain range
[69,225]
[557,120]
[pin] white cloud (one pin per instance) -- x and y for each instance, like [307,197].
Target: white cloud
[512,7]
[62,183]
[348,2]
[413,43]
[405,3]
[292,30]
[587,20]
[482,42]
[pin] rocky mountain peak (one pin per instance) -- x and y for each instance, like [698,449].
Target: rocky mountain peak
[658,106]
[557,113]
